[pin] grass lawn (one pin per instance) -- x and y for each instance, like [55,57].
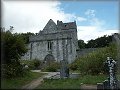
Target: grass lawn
[71,83]
[16,83]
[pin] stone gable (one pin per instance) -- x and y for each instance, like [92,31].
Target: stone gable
[50,27]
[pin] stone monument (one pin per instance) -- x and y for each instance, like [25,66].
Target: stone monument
[64,70]
[112,82]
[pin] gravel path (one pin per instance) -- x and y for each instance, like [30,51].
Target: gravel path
[38,81]
[89,87]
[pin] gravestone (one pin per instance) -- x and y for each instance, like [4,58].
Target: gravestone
[64,70]
[112,82]
[100,86]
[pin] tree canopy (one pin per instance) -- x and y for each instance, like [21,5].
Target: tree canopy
[99,42]
[96,43]
[13,47]
[26,36]
[81,44]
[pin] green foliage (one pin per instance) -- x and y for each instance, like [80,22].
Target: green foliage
[13,70]
[81,44]
[37,63]
[93,63]
[13,47]
[73,66]
[32,64]
[99,42]
[52,67]
[96,43]
[26,36]
[18,82]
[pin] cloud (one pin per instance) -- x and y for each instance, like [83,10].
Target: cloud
[91,32]
[90,13]
[95,29]
[80,19]
[32,16]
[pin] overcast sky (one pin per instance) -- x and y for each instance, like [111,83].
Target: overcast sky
[94,19]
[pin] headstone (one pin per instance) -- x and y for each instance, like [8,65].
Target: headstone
[100,86]
[64,71]
[106,84]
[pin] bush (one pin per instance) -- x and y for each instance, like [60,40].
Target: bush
[93,63]
[32,64]
[36,63]
[52,67]
[13,47]
[73,66]
[13,70]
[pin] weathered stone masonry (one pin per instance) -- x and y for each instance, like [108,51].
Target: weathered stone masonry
[59,41]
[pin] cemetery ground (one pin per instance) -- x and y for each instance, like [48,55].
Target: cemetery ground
[67,83]
[82,82]
[18,82]
[71,83]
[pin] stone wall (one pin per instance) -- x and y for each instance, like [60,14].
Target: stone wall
[62,49]
[82,52]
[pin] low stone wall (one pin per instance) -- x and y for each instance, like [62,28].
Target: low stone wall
[82,52]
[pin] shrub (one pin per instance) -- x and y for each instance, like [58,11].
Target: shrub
[52,67]
[93,63]
[13,47]
[32,64]
[13,70]
[73,66]
[36,63]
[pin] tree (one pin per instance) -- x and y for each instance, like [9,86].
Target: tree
[81,44]
[91,44]
[26,36]
[13,47]
[99,42]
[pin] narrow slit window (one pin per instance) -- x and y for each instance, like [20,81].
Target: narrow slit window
[49,45]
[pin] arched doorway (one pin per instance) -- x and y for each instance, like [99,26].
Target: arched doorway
[48,59]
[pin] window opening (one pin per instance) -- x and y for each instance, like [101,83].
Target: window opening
[49,45]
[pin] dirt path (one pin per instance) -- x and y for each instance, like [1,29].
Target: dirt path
[38,81]
[89,87]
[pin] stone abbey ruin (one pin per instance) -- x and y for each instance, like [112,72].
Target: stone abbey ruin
[55,42]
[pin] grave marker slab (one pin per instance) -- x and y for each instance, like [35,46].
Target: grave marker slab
[64,71]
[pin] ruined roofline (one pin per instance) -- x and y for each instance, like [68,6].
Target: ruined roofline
[65,22]
[66,26]
[62,24]
[52,27]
